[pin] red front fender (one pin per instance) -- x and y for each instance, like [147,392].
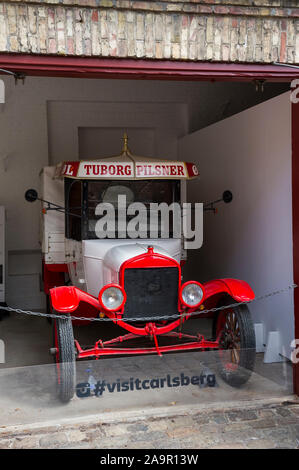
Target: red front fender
[238,290]
[67,298]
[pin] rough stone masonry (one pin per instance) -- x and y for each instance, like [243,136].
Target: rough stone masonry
[261,31]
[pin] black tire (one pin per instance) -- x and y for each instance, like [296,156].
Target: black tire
[234,327]
[49,309]
[64,358]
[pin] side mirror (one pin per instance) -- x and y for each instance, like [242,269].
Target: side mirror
[31,195]
[227,197]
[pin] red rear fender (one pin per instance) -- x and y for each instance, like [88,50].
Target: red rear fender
[237,289]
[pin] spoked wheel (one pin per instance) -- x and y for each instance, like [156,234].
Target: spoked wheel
[237,349]
[64,358]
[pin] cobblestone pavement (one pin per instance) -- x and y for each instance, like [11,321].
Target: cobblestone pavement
[256,427]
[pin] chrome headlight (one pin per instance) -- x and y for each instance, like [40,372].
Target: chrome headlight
[191,294]
[112,297]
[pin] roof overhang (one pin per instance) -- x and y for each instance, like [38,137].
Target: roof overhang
[94,67]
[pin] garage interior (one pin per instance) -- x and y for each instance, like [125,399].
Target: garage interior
[238,134]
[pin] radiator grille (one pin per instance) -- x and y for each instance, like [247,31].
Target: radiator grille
[151,292]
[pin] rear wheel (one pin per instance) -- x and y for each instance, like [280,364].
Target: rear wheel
[237,348]
[64,358]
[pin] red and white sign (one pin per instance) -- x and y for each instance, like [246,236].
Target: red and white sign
[160,170]
[127,169]
[106,170]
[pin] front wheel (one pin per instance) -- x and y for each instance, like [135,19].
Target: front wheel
[237,347]
[64,358]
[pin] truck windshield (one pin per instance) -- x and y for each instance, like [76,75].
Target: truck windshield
[145,192]
[93,196]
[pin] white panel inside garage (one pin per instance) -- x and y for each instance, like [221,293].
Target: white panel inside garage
[251,154]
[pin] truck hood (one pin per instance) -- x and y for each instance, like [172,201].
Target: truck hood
[113,253]
[116,256]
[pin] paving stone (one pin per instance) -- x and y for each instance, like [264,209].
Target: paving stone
[260,444]
[5,443]
[119,443]
[295,430]
[285,412]
[76,436]
[100,444]
[284,420]
[219,418]
[265,413]
[168,444]
[137,427]
[201,418]
[283,437]
[159,425]
[241,415]
[182,421]
[30,442]
[141,445]
[94,434]
[239,426]
[233,445]
[211,428]
[53,440]
[148,436]
[238,436]
[263,423]
[181,431]
[77,445]
[84,428]
[115,430]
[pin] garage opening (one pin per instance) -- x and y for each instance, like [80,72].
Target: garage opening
[239,136]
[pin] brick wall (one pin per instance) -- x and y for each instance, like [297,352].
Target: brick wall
[233,30]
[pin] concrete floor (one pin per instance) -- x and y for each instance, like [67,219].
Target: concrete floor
[27,379]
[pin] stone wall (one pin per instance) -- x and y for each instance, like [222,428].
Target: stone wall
[261,31]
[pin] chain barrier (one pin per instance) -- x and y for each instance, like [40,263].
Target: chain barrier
[156,318]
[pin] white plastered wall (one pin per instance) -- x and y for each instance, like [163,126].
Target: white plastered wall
[251,238]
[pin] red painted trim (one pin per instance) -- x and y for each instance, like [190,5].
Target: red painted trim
[93,67]
[149,260]
[143,331]
[295,189]
[120,308]
[55,268]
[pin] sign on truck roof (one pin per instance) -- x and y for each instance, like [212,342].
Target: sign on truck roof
[127,166]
